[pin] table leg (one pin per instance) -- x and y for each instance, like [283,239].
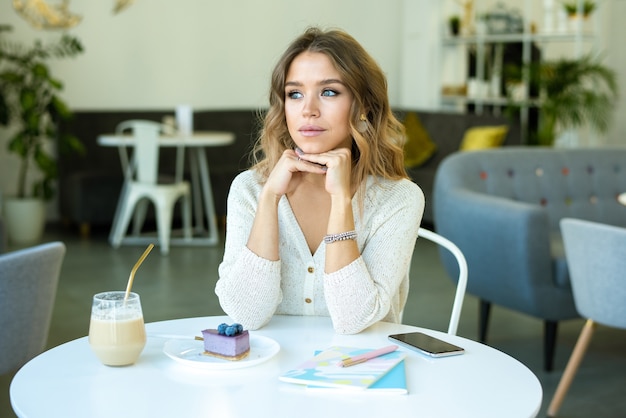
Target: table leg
[209,204]
[196,192]
[202,196]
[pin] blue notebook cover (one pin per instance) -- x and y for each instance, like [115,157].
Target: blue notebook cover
[393,382]
[324,370]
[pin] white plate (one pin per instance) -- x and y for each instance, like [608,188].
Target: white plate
[190,353]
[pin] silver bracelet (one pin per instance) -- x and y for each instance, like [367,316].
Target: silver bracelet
[330,238]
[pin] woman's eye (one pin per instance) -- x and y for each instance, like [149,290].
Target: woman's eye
[294,95]
[329,93]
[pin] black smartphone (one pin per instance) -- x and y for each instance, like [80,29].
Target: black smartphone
[426,344]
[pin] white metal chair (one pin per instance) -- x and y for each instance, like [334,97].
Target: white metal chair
[596,257]
[462,280]
[28,285]
[141,186]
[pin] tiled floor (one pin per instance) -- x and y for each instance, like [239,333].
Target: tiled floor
[181,285]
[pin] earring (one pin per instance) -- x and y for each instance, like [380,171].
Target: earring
[361,125]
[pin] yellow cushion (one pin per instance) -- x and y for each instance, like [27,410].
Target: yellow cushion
[419,147]
[481,137]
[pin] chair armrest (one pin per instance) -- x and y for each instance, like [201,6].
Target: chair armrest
[506,243]
[3,236]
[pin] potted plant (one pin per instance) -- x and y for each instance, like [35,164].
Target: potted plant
[571,8]
[572,93]
[31,108]
[575,92]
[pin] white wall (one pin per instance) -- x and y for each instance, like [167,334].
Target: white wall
[616,59]
[420,60]
[208,53]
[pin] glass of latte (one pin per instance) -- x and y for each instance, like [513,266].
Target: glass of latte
[117,334]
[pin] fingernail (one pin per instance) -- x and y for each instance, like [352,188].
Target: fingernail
[299,151]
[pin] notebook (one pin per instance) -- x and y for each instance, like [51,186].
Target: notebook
[323,369]
[393,382]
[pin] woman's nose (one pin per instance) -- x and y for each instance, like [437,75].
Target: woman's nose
[310,108]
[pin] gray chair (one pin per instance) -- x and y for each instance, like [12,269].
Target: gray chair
[502,208]
[28,284]
[596,256]
[3,236]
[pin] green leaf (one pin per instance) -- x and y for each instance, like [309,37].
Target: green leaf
[59,108]
[17,145]
[11,77]
[70,143]
[46,163]
[28,99]
[40,71]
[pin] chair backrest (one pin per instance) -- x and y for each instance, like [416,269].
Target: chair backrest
[462,279]
[28,284]
[579,183]
[144,167]
[596,257]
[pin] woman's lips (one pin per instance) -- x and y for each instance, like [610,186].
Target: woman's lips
[310,130]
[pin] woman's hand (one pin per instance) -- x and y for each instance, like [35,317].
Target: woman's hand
[337,165]
[287,173]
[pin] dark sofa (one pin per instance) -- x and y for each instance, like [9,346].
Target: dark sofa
[89,184]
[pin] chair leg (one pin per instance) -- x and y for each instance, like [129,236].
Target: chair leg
[164,225]
[141,209]
[550,330]
[572,367]
[186,208]
[122,225]
[484,312]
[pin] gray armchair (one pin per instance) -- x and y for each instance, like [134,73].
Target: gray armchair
[502,208]
[28,285]
[3,236]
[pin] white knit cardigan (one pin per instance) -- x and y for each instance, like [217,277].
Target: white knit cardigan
[374,287]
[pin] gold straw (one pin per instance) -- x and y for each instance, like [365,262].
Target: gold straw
[134,270]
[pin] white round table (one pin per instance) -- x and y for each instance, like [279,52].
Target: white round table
[68,380]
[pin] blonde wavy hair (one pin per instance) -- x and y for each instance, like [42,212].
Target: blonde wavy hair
[377,151]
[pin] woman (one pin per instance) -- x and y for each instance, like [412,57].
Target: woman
[326,221]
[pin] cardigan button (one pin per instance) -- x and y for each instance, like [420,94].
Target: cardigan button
[310,269]
[308,300]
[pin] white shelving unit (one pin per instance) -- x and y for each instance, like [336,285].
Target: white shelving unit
[544,25]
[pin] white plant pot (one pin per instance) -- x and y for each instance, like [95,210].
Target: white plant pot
[25,219]
[578,23]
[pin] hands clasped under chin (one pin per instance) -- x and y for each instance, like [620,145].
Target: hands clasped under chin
[335,164]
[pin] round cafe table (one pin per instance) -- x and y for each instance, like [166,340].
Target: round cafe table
[68,380]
